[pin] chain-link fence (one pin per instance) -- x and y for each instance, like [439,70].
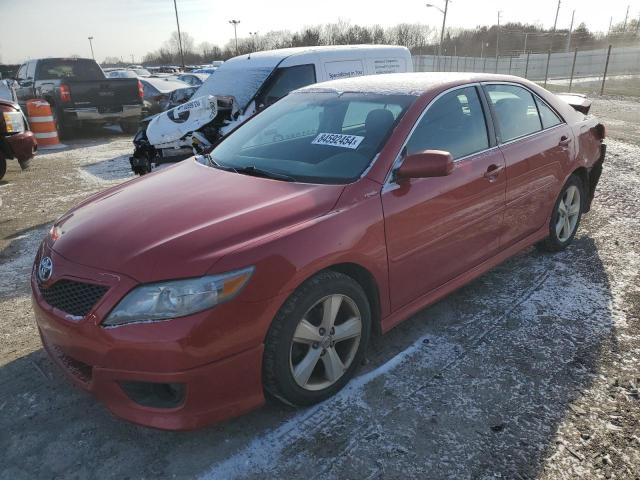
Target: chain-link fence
[605,71]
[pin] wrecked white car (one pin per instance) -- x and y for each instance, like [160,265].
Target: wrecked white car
[247,84]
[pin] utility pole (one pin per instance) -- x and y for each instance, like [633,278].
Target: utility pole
[235,31]
[444,22]
[570,30]
[626,17]
[132,60]
[91,45]
[555,22]
[610,22]
[526,34]
[179,34]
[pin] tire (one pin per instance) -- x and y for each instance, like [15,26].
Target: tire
[130,128]
[562,232]
[3,166]
[285,359]
[64,129]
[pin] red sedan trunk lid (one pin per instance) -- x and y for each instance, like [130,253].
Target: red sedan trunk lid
[176,223]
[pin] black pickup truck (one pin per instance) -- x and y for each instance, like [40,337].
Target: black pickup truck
[80,93]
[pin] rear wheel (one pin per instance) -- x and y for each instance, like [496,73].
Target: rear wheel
[65,130]
[3,166]
[566,216]
[317,340]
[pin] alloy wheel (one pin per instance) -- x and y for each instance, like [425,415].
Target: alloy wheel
[568,213]
[325,342]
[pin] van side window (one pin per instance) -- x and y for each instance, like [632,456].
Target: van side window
[454,123]
[285,80]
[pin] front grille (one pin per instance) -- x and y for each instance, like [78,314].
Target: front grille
[74,298]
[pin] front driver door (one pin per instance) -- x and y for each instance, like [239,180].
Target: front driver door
[438,228]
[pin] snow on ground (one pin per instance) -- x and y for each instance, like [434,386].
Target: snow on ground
[529,371]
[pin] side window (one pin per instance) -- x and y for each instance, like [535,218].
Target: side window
[548,116]
[287,79]
[515,109]
[454,123]
[31,70]
[149,91]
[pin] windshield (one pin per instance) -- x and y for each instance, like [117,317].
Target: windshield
[314,137]
[240,83]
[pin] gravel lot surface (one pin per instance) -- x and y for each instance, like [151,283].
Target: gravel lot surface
[531,371]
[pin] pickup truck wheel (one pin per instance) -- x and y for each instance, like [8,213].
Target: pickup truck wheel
[317,339]
[3,166]
[64,130]
[129,127]
[566,216]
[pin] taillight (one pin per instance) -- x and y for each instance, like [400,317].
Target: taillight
[65,93]
[140,90]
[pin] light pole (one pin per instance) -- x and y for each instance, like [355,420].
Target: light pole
[444,22]
[235,31]
[498,40]
[253,36]
[179,34]
[555,22]
[91,45]
[570,31]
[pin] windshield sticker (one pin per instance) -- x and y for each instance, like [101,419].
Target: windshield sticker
[338,140]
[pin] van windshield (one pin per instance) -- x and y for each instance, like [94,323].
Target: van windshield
[242,84]
[314,137]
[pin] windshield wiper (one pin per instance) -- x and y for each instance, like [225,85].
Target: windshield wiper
[259,172]
[212,163]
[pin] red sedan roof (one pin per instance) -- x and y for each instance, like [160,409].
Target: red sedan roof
[407,83]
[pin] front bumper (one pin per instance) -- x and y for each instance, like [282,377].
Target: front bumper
[97,115]
[215,356]
[21,146]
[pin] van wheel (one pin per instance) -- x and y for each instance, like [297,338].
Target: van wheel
[317,339]
[566,216]
[3,167]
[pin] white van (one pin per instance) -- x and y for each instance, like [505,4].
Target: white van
[246,84]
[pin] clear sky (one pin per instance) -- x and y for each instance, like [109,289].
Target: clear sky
[40,28]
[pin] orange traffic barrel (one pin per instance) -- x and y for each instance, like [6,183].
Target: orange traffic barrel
[42,123]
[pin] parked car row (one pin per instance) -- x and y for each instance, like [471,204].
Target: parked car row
[247,84]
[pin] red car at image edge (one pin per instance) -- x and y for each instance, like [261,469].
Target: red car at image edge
[181,298]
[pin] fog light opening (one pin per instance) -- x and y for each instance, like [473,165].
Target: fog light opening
[154,395]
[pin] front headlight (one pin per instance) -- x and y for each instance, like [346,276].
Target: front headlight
[13,122]
[178,298]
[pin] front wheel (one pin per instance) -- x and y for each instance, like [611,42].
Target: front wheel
[317,340]
[566,216]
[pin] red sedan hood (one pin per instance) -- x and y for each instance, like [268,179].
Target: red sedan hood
[178,222]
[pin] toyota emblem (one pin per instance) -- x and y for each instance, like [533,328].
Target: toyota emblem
[45,269]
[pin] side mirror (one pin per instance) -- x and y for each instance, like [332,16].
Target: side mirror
[430,163]
[26,83]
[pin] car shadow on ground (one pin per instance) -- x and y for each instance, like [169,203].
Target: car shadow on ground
[471,387]
[113,169]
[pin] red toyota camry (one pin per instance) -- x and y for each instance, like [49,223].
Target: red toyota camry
[180,298]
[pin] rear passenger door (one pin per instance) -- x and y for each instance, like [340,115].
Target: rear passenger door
[535,142]
[438,228]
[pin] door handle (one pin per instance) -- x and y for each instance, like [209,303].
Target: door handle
[493,171]
[564,141]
